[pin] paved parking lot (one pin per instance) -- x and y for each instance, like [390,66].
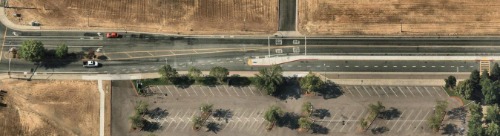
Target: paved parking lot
[410,121]
[205,91]
[362,91]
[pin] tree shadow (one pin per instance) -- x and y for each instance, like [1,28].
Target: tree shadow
[318,129]
[50,60]
[457,113]
[208,81]
[321,113]
[450,129]
[330,90]
[214,127]
[150,126]
[157,113]
[391,113]
[183,82]
[239,81]
[290,120]
[289,89]
[102,57]
[225,114]
[379,130]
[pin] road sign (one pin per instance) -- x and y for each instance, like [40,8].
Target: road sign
[279,42]
[296,42]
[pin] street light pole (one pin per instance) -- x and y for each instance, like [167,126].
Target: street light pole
[324,65]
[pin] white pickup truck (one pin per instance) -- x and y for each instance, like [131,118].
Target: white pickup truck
[90,64]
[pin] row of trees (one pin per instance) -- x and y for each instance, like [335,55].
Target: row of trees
[439,113]
[35,51]
[275,114]
[484,87]
[137,119]
[267,80]
[490,126]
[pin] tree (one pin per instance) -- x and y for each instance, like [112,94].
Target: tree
[465,89]
[32,50]
[495,72]
[61,50]
[439,113]
[194,73]
[475,125]
[474,77]
[141,107]
[197,122]
[206,109]
[269,79]
[376,108]
[363,123]
[273,114]
[484,75]
[451,82]
[493,129]
[137,121]
[220,73]
[167,73]
[307,108]
[311,83]
[492,114]
[305,123]
[489,92]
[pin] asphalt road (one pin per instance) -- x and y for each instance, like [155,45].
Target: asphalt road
[135,53]
[287,11]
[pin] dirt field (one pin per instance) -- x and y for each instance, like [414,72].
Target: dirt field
[385,17]
[169,16]
[49,108]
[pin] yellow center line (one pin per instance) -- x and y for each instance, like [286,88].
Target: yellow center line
[3,44]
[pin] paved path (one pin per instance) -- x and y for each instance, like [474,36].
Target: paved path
[101,108]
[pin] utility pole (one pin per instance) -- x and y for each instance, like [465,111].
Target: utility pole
[88,16]
[401,30]
[305,43]
[324,65]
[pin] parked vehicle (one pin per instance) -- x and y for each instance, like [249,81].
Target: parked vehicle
[112,35]
[90,64]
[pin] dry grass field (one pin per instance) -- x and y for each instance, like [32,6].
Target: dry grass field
[166,16]
[385,17]
[49,108]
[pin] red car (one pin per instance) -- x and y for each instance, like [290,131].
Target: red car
[112,35]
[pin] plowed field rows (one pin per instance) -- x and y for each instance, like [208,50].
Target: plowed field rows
[389,17]
[171,16]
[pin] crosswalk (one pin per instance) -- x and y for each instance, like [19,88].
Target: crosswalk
[484,65]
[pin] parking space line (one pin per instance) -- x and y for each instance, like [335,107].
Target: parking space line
[251,91]
[436,92]
[364,88]
[354,124]
[169,90]
[428,91]
[209,90]
[347,89]
[419,91]
[188,122]
[239,120]
[348,118]
[393,91]
[339,120]
[333,117]
[414,119]
[402,91]
[178,91]
[226,91]
[203,91]
[247,120]
[160,90]
[384,91]
[358,91]
[375,90]
[243,91]
[444,90]
[421,121]
[217,90]
[173,119]
[410,91]
[397,120]
[181,119]
[405,121]
[253,122]
[193,90]
[235,91]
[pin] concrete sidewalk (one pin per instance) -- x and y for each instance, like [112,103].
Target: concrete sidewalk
[267,61]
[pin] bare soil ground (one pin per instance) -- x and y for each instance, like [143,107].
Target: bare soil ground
[167,16]
[385,17]
[49,108]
